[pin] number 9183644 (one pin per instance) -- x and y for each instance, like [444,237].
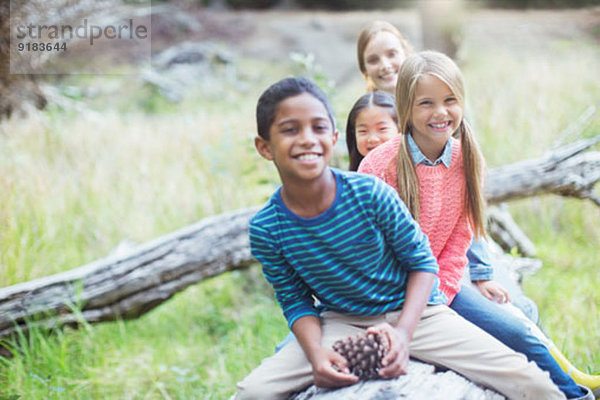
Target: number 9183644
[34,46]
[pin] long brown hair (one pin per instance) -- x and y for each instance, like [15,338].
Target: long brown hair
[365,36]
[442,67]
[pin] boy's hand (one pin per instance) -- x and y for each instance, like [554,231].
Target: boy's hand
[493,291]
[395,361]
[330,370]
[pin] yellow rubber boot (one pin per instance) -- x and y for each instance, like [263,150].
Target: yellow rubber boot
[580,377]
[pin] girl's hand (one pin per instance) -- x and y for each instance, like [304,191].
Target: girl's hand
[330,370]
[493,291]
[395,361]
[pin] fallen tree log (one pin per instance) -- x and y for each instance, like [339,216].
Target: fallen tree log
[128,285]
[505,231]
[566,171]
[422,381]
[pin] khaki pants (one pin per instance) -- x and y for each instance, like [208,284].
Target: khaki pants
[442,337]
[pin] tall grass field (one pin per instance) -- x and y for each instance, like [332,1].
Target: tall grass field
[73,185]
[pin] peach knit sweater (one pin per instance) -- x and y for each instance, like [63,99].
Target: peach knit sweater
[442,207]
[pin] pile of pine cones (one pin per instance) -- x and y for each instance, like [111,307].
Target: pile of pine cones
[363,353]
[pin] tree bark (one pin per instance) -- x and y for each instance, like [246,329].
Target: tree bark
[505,231]
[565,171]
[422,381]
[17,92]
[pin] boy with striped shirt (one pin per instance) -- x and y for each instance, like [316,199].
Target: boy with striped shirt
[347,240]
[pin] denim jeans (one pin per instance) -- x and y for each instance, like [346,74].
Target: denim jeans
[508,329]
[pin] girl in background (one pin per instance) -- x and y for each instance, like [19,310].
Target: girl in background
[381,49]
[371,122]
[439,178]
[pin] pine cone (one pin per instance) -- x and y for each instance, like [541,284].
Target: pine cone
[363,353]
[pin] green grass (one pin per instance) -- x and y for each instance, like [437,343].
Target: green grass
[196,346]
[566,288]
[73,185]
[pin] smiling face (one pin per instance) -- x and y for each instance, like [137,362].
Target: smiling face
[383,57]
[435,114]
[374,125]
[301,139]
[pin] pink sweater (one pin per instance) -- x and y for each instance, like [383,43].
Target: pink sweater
[442,207]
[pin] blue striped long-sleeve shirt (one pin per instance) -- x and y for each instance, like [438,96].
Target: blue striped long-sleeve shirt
[354,257]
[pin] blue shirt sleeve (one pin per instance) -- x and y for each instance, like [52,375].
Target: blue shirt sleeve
[480,267]
[293,295]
